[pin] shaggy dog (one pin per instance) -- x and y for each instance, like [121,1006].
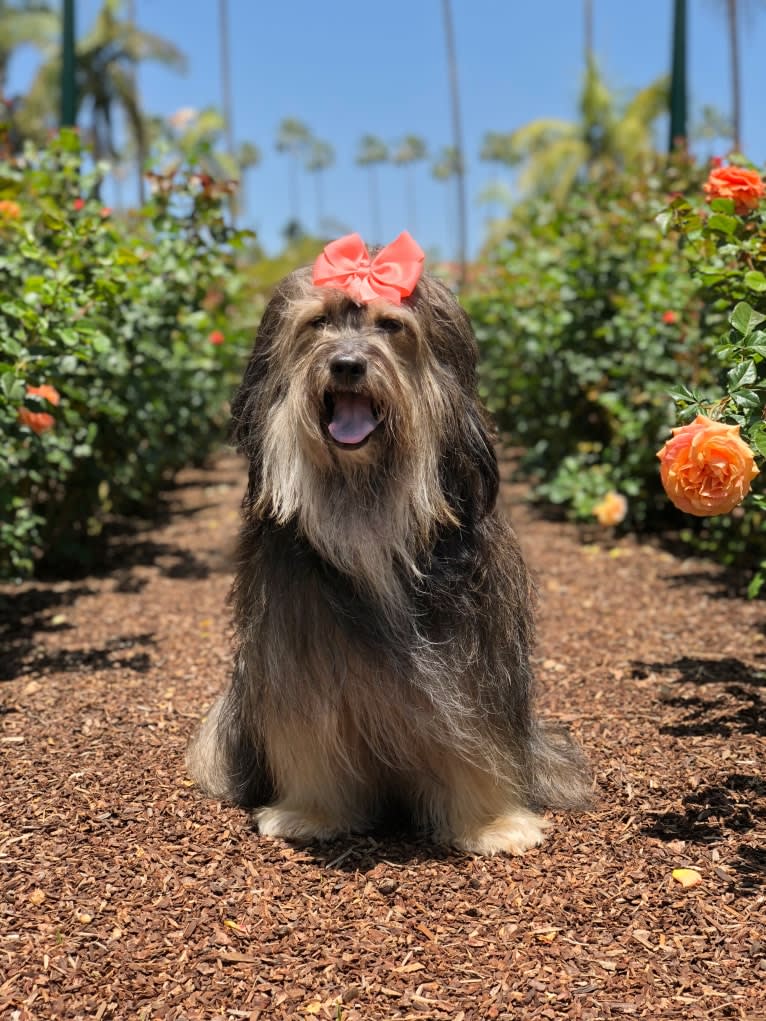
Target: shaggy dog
[383,611]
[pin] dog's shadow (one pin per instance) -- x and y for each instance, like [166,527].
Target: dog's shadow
[395,845]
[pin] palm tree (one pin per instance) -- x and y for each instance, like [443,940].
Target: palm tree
[105,67]
[588,30]
[411,150]
[457,141]
[223,35]
[371,153]
[25,23]
[446,166]
[320,156]
[554,152]
[736,95]
[293,138]
[247,156]
[496,148]
[712,126]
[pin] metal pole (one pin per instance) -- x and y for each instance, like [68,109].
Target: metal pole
[68,64]
[678,130]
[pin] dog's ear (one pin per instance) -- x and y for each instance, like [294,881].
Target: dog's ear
[248,399]
[470,475]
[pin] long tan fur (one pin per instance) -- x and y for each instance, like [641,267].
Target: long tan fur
[384,612]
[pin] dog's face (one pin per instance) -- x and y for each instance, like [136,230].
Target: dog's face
[355,381]
[350,414]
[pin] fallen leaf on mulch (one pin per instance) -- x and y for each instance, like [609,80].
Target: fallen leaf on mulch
[687,877]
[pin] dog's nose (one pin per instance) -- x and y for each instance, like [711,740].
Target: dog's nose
[348,369]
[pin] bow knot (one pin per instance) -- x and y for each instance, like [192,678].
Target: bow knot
[393,274]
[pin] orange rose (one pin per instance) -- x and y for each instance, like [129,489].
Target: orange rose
[706,468]
[50,393]
[612,509]
[742,185]
[38,421]
[9,210]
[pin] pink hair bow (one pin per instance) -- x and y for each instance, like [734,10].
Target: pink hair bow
[393,274]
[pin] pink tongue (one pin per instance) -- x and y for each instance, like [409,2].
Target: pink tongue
[352,419]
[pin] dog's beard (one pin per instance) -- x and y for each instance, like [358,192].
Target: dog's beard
[368,508]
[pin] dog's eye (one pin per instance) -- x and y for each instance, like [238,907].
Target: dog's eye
[318,322]
[389,325]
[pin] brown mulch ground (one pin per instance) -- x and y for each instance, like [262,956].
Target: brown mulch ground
[125,894]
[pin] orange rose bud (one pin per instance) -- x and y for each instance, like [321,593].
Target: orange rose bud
[50,393]
[37,421]
[744,186]
[9,210]
[612,509]
[706,468]
[216,337]
[670,317]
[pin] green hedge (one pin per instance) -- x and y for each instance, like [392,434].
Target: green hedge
[130,323]
[589,317]
[598,317]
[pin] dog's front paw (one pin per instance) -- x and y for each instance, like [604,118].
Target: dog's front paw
[294,824]
[514,832]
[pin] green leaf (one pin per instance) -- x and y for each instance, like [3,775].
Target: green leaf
[682,395]
[758,438]
[756,583]
[747,400]
[722,205]
[744,318]
[722,223]
[742,375]
[101,342]
[755,281]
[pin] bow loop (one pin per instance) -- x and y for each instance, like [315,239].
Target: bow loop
[393,274]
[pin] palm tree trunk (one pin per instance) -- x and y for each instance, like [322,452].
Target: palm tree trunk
[588,17]
[228,114]
[295,197]
[319,200]
[140,139]
[68,66]
[736,96]
[457,132]
[223,33]
[411,208]
[377,233]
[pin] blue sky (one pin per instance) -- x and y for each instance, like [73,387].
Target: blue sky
[348,68]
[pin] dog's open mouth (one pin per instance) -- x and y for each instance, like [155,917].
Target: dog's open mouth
[352,417]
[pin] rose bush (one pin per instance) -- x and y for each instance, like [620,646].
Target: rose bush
[725,252]
[108,379]
[586,318]
[598,332]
